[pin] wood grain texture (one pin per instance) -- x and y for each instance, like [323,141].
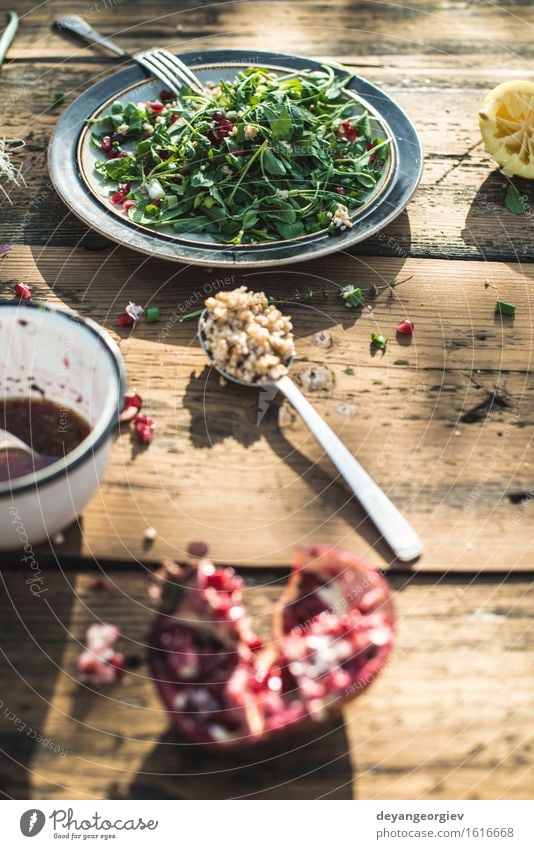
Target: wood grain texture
[444,424]
[449,718]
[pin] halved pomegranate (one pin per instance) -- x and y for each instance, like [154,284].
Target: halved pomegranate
[332,631]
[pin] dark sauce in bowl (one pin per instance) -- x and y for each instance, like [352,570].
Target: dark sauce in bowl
[50,429]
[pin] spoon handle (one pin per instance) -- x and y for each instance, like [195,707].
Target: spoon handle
[397,532]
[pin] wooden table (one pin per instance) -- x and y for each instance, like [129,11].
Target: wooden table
[444,425]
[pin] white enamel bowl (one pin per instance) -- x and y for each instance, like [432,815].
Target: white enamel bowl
[73,362]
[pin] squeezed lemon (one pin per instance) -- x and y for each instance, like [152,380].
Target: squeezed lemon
[507,127]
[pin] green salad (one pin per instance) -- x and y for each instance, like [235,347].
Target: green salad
[261,158]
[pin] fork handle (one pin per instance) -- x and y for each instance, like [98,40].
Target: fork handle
[77,26]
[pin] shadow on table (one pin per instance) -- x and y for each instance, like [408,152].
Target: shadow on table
[310,766]
[494,231]
[98,284]
[33,635]
[235,412]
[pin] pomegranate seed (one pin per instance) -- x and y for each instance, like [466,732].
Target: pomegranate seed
[133,399]
[214,138]
[340,190]
[406,327]
[124,320]
[23,291]
[348,131]
[124,187]
[156,106]
[128,204]
[218,116]
[105,144]
[174,117]
[254,643]
[165,95]
[118,137]
[117,197]
[132,404]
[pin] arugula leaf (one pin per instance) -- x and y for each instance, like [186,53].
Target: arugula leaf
[272,164]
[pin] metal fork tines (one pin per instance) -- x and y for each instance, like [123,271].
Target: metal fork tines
[169,69]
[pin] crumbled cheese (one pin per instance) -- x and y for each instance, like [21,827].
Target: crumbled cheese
[160,120]
[250,131]
[282,193]
[341,218]
[233,131]
[156,190]
[148,128]
[123,129]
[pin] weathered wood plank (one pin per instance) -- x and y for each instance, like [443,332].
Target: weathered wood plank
[444,425]
[434,59]
[464,659]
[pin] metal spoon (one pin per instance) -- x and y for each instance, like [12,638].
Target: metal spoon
[8,441]
[397,532]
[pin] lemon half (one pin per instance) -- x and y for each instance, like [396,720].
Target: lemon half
[507,127]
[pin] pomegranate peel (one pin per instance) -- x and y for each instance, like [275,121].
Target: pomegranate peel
[332,632]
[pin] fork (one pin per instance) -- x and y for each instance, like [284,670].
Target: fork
[160,63]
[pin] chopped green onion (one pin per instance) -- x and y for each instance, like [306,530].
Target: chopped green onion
[504,308]
[58,98]
[152,314]
[378,341]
